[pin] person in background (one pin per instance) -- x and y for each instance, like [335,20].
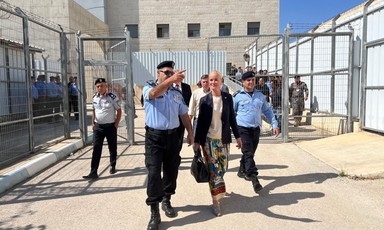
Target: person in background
[70,103]
[53,91]
[199,84]
[268,83]
[163,105]
[254,70]
[41,87]
[224,87]
[239,73]
[106,116]
[262,87]
[213,136]
[35,96]
[186,91]
[193,108]
[249,103]
[276,95]
[298,94]
[74,94]
[60,93]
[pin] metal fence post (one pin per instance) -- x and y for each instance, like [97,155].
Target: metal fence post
[64,72]
[27,63]
[129,78]
[285,91]
[350,85]
[364,65]
[82,90]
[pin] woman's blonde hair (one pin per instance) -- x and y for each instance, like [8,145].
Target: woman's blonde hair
[218,74]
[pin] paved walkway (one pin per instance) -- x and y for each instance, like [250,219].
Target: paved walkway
[302,189]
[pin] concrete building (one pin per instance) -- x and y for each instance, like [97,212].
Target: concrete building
[65,14]
[179,25]
[69,14]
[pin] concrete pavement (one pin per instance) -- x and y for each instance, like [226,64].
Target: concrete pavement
[302,189]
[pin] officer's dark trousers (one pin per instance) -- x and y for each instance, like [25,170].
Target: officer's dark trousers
[161,152]
[250,139]
[100,131]
[75,104]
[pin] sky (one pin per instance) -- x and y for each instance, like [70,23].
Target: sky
[303,15]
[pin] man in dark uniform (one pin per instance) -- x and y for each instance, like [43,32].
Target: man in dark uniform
[186,91]
[249,103]
[163,106]
[298,94]
[105,121]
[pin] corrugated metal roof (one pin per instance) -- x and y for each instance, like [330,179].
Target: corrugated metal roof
[19,45]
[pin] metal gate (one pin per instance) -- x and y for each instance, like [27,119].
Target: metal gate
[324,62]
[110,58]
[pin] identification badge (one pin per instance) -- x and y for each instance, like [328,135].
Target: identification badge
[177,97]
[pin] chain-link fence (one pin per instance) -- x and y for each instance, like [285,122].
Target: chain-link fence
[33,92]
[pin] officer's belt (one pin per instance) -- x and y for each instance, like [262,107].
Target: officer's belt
[105,125]
[159,131]
[250,128]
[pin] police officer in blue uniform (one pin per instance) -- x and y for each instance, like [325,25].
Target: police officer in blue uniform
[105,121]
[163,106]
[74,97]
[249,103]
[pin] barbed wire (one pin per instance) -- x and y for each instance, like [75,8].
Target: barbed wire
[11,8]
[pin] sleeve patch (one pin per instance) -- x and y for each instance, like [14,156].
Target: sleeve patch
[113,96]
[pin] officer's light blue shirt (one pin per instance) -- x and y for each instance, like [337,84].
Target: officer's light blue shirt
[73,90]
[41,88]
[248,109]
[60,89]
[35,93]
[52,89]
[163,112]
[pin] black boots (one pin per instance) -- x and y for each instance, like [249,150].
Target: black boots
[241,172]
[155,214]
[155,217]
[167,207]
[256,185]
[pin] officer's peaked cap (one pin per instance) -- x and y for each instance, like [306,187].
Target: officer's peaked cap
[163,64]
[247,74]
[100,80]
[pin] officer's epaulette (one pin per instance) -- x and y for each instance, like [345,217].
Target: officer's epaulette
[235,93]
[151,83]
[113,96]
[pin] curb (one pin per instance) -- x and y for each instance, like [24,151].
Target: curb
[30,169]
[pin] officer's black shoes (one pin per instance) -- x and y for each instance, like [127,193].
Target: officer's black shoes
[241,172]
[167,208]
[256,185]
[250,177]
[91,176]
[155,217]
[112,170]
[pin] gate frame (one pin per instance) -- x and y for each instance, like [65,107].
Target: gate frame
[126,62]
[333,72]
